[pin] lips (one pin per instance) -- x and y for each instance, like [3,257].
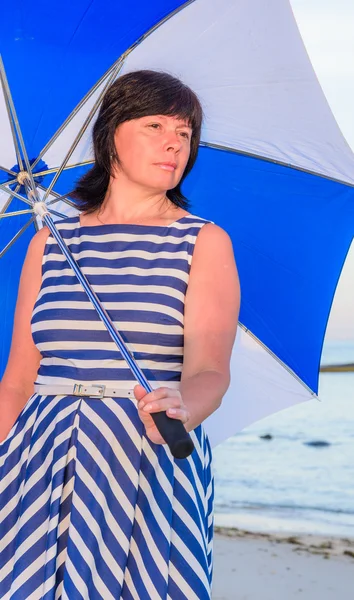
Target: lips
[169,166]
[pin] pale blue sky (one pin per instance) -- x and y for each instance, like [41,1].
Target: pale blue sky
[327,29]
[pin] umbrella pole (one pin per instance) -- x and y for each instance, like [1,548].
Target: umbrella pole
[173,431]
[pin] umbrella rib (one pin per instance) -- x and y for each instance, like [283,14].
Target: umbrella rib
[157,25]
[278,360]
[71,166]
[10,198]
[58,214]
[12,181]
[20,232]
[11,108]
[15,194]
[54,212]
[58,198]
[274,161]
[82,129]
[7,170]
[16,213]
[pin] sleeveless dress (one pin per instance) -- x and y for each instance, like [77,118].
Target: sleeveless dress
[90,508]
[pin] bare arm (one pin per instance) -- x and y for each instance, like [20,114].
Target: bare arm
[17,383]
[211,315]
[212,307]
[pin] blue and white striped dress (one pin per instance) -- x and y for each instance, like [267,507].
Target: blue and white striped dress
[89,506]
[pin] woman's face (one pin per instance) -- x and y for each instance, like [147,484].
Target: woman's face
[143,143]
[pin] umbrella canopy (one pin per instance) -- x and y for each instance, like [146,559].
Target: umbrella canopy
[273,168]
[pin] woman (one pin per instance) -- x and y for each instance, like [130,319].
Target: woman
[93,503]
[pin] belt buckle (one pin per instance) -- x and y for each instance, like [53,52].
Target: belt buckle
[101,392]
[78,390]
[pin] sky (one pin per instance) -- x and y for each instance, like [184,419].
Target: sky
[327,29]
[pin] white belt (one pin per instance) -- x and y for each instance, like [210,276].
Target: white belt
[78,389]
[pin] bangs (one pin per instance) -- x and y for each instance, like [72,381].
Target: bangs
[185,107]
[168,97]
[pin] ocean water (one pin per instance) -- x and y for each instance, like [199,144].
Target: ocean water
[283,484]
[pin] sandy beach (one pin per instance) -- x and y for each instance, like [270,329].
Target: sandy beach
[252,566]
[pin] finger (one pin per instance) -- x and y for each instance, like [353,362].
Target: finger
[179,413]
[139,391]
[159,405]
[162,398]
[163,392]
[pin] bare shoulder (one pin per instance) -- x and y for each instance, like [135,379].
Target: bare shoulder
[213,262]
[39,239]
[36,247]
[214,233]
[31,270]
[213,246]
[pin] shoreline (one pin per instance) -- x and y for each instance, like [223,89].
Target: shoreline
[248,565]
[324,545]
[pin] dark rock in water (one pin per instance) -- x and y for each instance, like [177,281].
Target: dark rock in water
[318,444]
[267,436]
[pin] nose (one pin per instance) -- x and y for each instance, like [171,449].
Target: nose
[173,141]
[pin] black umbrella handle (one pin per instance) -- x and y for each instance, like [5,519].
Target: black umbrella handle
[174,433]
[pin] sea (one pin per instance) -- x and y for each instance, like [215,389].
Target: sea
[286,484]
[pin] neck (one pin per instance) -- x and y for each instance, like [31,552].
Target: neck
[125,202]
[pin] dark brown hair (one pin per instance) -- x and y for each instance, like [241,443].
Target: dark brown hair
[134,95]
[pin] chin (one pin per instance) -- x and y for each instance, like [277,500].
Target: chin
[169,180]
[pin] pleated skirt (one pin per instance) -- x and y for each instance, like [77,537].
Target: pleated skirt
[90,508]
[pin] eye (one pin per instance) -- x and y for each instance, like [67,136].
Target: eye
[183,133]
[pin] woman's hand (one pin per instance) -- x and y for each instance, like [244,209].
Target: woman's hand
[162,398]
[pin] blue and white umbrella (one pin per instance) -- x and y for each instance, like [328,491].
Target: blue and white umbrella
[273,168]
